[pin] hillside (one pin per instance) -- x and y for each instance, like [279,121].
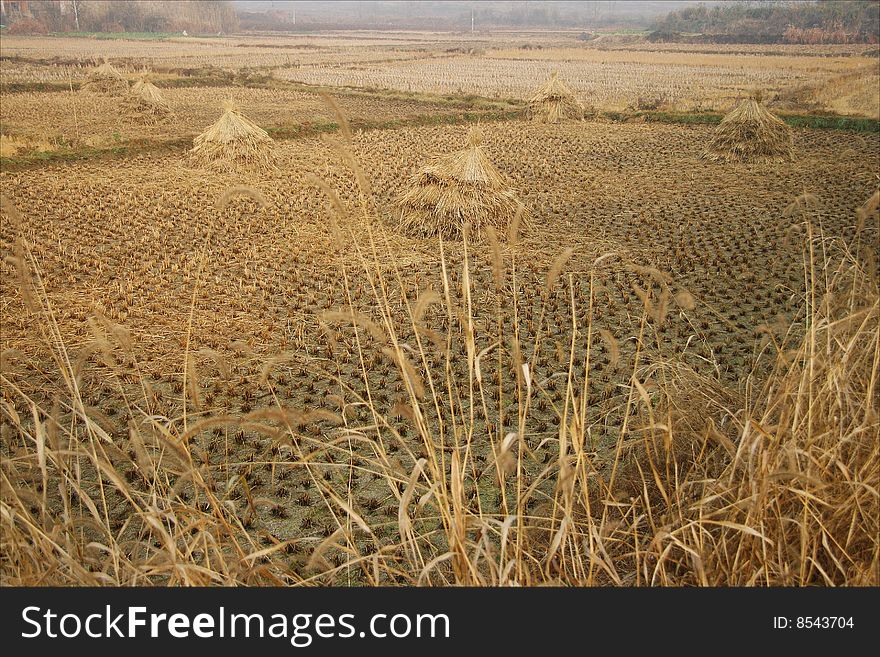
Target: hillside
[774,22]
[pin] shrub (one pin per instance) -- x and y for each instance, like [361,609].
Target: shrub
[28,26]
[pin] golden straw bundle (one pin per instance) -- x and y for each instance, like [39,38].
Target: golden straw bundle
[144,76]
[233,142]
[145,102]
[554,102]
[106,79]
[457,189]
[750,132]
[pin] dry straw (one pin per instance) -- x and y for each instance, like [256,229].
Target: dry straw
[458,189]
[144,76]
[106,79]
[234,141]
[750,133]
[145,102]
[554,102]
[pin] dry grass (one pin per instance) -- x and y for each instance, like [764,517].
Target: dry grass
[750,133]
[232,143]
[460,191]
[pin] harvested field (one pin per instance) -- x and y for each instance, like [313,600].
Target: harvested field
[608,80]
[605,74]
[652,221]
[79,119]
[261,361]
[271,273]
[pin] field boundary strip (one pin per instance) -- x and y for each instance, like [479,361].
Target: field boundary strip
[811,121]
[285,133]
[279,133]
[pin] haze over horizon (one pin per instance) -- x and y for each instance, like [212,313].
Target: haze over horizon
[456,14]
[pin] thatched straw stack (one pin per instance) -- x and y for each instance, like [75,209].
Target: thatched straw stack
[555,102]
[145,102]
[106,79]
[143,77]
[750,133]
[457,189]
[233,142]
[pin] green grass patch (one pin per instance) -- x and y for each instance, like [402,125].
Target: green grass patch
[122,148]
[675,117]
[626,31]
[811,121]
[318,127]
[210,79]
[819,122]
[31,87]
[132,36]
[36,158]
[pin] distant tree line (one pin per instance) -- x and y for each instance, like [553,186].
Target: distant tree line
[767,21]
[193,16]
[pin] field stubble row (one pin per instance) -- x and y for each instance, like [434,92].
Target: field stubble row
[131,241]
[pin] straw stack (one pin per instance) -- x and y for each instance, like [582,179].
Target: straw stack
[145,102]
[458,189]
[143,77]
[554,102]
[750,133]
[106,79]
[233,142]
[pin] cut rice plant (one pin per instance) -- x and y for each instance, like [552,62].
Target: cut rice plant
[750,133]
[460,189]
[234,142]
